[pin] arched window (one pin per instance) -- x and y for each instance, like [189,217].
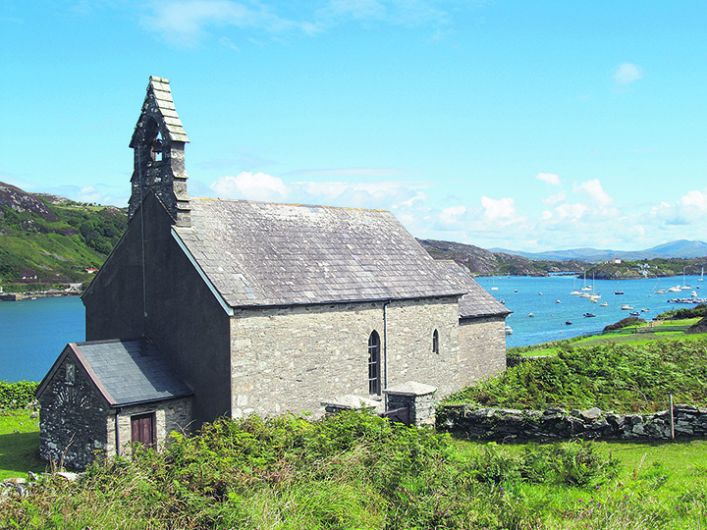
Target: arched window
[435,341]
[374,364]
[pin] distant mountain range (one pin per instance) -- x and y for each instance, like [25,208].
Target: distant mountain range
[682,248]
[483,262]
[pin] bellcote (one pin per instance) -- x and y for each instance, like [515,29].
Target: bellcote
[158,144]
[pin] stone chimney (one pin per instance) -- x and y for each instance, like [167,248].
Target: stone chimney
[158,144]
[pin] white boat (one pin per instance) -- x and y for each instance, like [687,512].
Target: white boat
[587,288]
[694,294]
[576,293]
[558,301]
[509,330]
[684,286]
[626,307]
[494,288]
[604,304]
[531,315]
[660,291]
[702,275]
[674,289]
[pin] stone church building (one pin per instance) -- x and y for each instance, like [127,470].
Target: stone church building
[210,308]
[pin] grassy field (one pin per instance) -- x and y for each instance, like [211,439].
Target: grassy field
[635,334]
[19,444]
[657,485]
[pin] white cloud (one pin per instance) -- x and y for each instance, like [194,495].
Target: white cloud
[408,13]
[381,194]
[451,215]
[555,199]
[344,172]
[253,186]
[498,209]
[627,73]
[185,21]
[695,199]
[571,211]
[549,178]
[595,191]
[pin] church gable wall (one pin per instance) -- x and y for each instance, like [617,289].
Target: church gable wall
[176,309]
[72,417]
[482,344]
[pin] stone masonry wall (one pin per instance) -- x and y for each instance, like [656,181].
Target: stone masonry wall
[552,424]
[292,359]
[173,415]
[72,419]
[482,346]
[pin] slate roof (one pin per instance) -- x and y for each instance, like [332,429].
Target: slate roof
[129,371]
[477,302]
[265,254]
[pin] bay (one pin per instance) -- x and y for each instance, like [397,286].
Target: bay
[524,295]
[34,332]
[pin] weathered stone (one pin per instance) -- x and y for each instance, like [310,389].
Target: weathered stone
[500,424]
[591,414]
[67,475]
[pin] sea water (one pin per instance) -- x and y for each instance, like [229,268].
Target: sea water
[552,306]
[34,332]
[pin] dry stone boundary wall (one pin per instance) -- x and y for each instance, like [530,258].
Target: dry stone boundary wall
[557,424]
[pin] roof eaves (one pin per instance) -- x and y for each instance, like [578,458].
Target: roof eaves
[485,315]
[92,376]
[152,400]
[348,301]
[45,380]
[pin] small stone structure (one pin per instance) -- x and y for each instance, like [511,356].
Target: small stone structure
[352,402]
[97,394]
[411,403]
[555,423]
[417,398]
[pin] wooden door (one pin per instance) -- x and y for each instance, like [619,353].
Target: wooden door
[143,429]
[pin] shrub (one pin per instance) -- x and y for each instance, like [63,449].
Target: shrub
[623,323]
[16,395]
[699,310]
[625,378]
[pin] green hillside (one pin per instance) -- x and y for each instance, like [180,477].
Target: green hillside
[50,240]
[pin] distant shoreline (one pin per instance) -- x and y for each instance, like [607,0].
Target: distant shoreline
[34,295]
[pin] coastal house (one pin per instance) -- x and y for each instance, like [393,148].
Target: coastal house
[209,308]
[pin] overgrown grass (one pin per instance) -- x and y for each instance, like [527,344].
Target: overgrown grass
[624,378]
[656,486]
[359,471]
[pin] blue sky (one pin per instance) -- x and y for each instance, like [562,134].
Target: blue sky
[517,124]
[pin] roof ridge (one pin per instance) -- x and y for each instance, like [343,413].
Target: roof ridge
[108,341]
[295,204]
